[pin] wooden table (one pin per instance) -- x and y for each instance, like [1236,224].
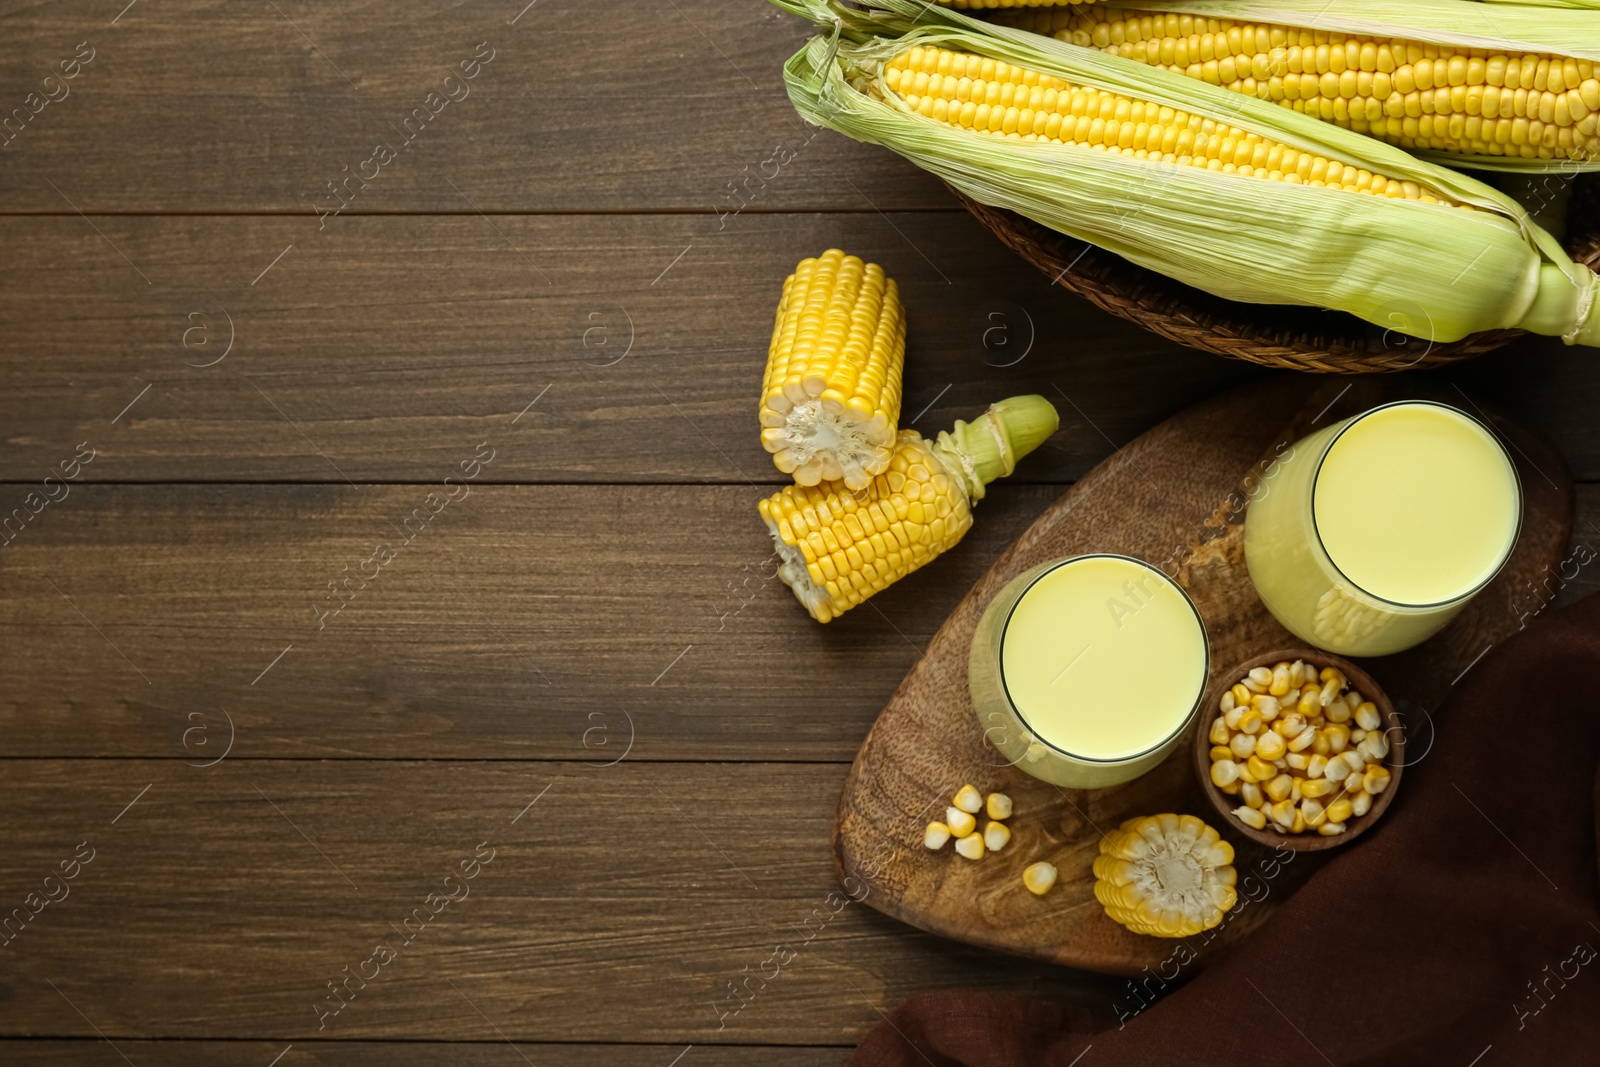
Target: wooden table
[379,478]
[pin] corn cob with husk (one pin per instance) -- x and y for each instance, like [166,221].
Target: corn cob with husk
[830,400]
[1499,87]
[1230,194]
[976,4]
[839,547]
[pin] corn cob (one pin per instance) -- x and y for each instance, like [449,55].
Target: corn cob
[1417,91]
[974,93]
[1184,185]
[830,401]
[839,547]
[1165,875]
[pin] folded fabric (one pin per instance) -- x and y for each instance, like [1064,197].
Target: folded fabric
[1463,929]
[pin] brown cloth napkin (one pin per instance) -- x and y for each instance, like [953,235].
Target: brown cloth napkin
[1463,929]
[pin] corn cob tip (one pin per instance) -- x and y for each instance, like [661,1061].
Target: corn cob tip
[990,446]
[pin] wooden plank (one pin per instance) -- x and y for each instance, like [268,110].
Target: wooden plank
[520,622]
[389,351]
[200,1053]
[604,903]
[644,605]
[600,105]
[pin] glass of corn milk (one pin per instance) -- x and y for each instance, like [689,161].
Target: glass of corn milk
[1085,671]
[1371,534]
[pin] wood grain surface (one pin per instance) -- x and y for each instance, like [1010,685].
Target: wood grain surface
[574,265]
[1176,497]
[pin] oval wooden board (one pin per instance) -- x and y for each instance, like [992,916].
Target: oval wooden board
[1173,497]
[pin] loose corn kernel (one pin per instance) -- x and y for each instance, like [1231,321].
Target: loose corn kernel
[1220,752]
[1367,716]
[1260,769]
[1303,740]
[1219,732]
[1374,747]
[1251,720]
[1241,695]
[936,835]
[1271,745]
[998,806]
[1340,810]
[1315,765]
[968,799]
[1259,679]
[1312,811]
[1297,760]
[995,836]
[1224,773]
[970,846]
[1337,712]
[1331,829]
[1250,793]
[1354,782]
[1376,779]
[1039,877]
[1298,826]
[1316,787]
[1227,703]
[1283,813]
[1338,737]
[1360,803]
[961,823]
[1251,817]
[1280,680]
[1243,746]
[1330,690]
[1280,787]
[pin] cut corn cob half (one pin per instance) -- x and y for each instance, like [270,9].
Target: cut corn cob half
[1184,204]
[830,401]
[1443,76]
[838,547]
[1165,875]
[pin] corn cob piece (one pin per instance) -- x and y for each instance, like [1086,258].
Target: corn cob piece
[830,401]
[839,547]
[1184,184]
[1165,875]
[1416,90]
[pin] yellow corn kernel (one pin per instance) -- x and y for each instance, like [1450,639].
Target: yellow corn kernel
[1375,780]
[1221,752]
[1331,828]
[995,836]
[1280,787]
[1271,745]
[1280,680]
[1219,732]
[1251,720]
[1260,769]
[1367,716]
[961,823]
[968,799]
[1250,817]
[1224,773]
[1360,803]
[1039,877]
[1243,746]
[1340,810]
[1250,793]
[936,835]
[998,805]
[1302,741]
[971,846]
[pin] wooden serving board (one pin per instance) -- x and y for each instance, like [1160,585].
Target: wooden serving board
[1174,497]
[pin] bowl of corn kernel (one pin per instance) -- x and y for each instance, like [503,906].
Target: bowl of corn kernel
[1299,749]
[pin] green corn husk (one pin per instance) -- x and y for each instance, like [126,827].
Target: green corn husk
[1434,271]
[1495,26]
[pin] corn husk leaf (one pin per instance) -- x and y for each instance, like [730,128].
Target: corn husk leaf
[1431,270]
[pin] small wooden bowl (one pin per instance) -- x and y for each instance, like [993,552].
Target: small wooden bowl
[1359,680]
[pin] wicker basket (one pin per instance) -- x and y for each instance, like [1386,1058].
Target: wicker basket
[1297,338]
